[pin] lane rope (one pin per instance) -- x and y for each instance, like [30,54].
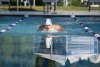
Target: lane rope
[11,25]
[87,29]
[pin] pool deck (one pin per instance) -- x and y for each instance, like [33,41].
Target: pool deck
[58,13]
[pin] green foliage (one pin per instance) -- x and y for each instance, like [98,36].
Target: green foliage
[60,3]
[84,4]
[39,2]
[76,2]
[13,2]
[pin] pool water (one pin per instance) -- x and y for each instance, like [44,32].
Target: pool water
[17,45]
[31,24]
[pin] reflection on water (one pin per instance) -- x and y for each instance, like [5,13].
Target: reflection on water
[66,45]
[17,51]
[58,45]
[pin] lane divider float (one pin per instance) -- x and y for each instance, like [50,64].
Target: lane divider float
[87,29]
[11,25]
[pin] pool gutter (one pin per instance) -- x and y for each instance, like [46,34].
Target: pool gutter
[35,13]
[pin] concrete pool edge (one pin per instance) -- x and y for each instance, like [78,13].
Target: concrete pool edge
[35,13]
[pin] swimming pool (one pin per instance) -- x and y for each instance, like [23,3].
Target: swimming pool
[30,24]
[16,45]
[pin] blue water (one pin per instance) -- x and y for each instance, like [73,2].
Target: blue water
[31,24]
[17,44]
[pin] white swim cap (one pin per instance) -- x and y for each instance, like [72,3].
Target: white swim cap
[48,22]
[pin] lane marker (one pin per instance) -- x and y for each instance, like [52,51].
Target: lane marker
[87,29]
[11,25]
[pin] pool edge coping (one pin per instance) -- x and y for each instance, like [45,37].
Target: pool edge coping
[35,13]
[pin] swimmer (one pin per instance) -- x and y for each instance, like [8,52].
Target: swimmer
[50,27]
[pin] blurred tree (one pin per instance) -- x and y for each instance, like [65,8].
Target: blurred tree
[13,2]
[39,2]
[60,2]
[76,2]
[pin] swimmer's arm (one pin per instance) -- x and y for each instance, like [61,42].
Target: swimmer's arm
[41,28]
[59,28]
[62,29]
